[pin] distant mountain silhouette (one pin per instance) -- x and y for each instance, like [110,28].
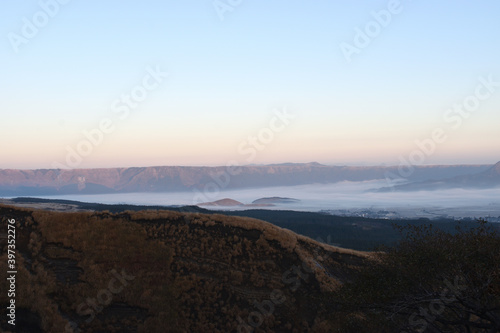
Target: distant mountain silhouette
[275,200]
[222,202]
[262,202]
[178,178]
[489,178]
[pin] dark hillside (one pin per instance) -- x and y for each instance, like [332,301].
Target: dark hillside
[160,271]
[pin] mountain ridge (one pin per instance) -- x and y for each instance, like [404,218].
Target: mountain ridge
[489,178]
[181,178]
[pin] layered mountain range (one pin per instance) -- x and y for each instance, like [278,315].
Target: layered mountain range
[182,178]
[486,179]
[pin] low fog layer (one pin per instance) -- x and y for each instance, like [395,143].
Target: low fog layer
[340,196]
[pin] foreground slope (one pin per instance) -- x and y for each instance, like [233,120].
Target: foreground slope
[160,271]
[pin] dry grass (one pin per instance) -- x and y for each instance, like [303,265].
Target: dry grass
[193,272]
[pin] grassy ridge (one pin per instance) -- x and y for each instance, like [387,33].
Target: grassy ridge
[165,271]
[363,234]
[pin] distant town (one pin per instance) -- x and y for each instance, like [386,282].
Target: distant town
[404,214]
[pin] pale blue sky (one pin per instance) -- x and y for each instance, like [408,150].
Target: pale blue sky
[227,76]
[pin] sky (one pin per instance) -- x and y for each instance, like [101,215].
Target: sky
[90,84]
